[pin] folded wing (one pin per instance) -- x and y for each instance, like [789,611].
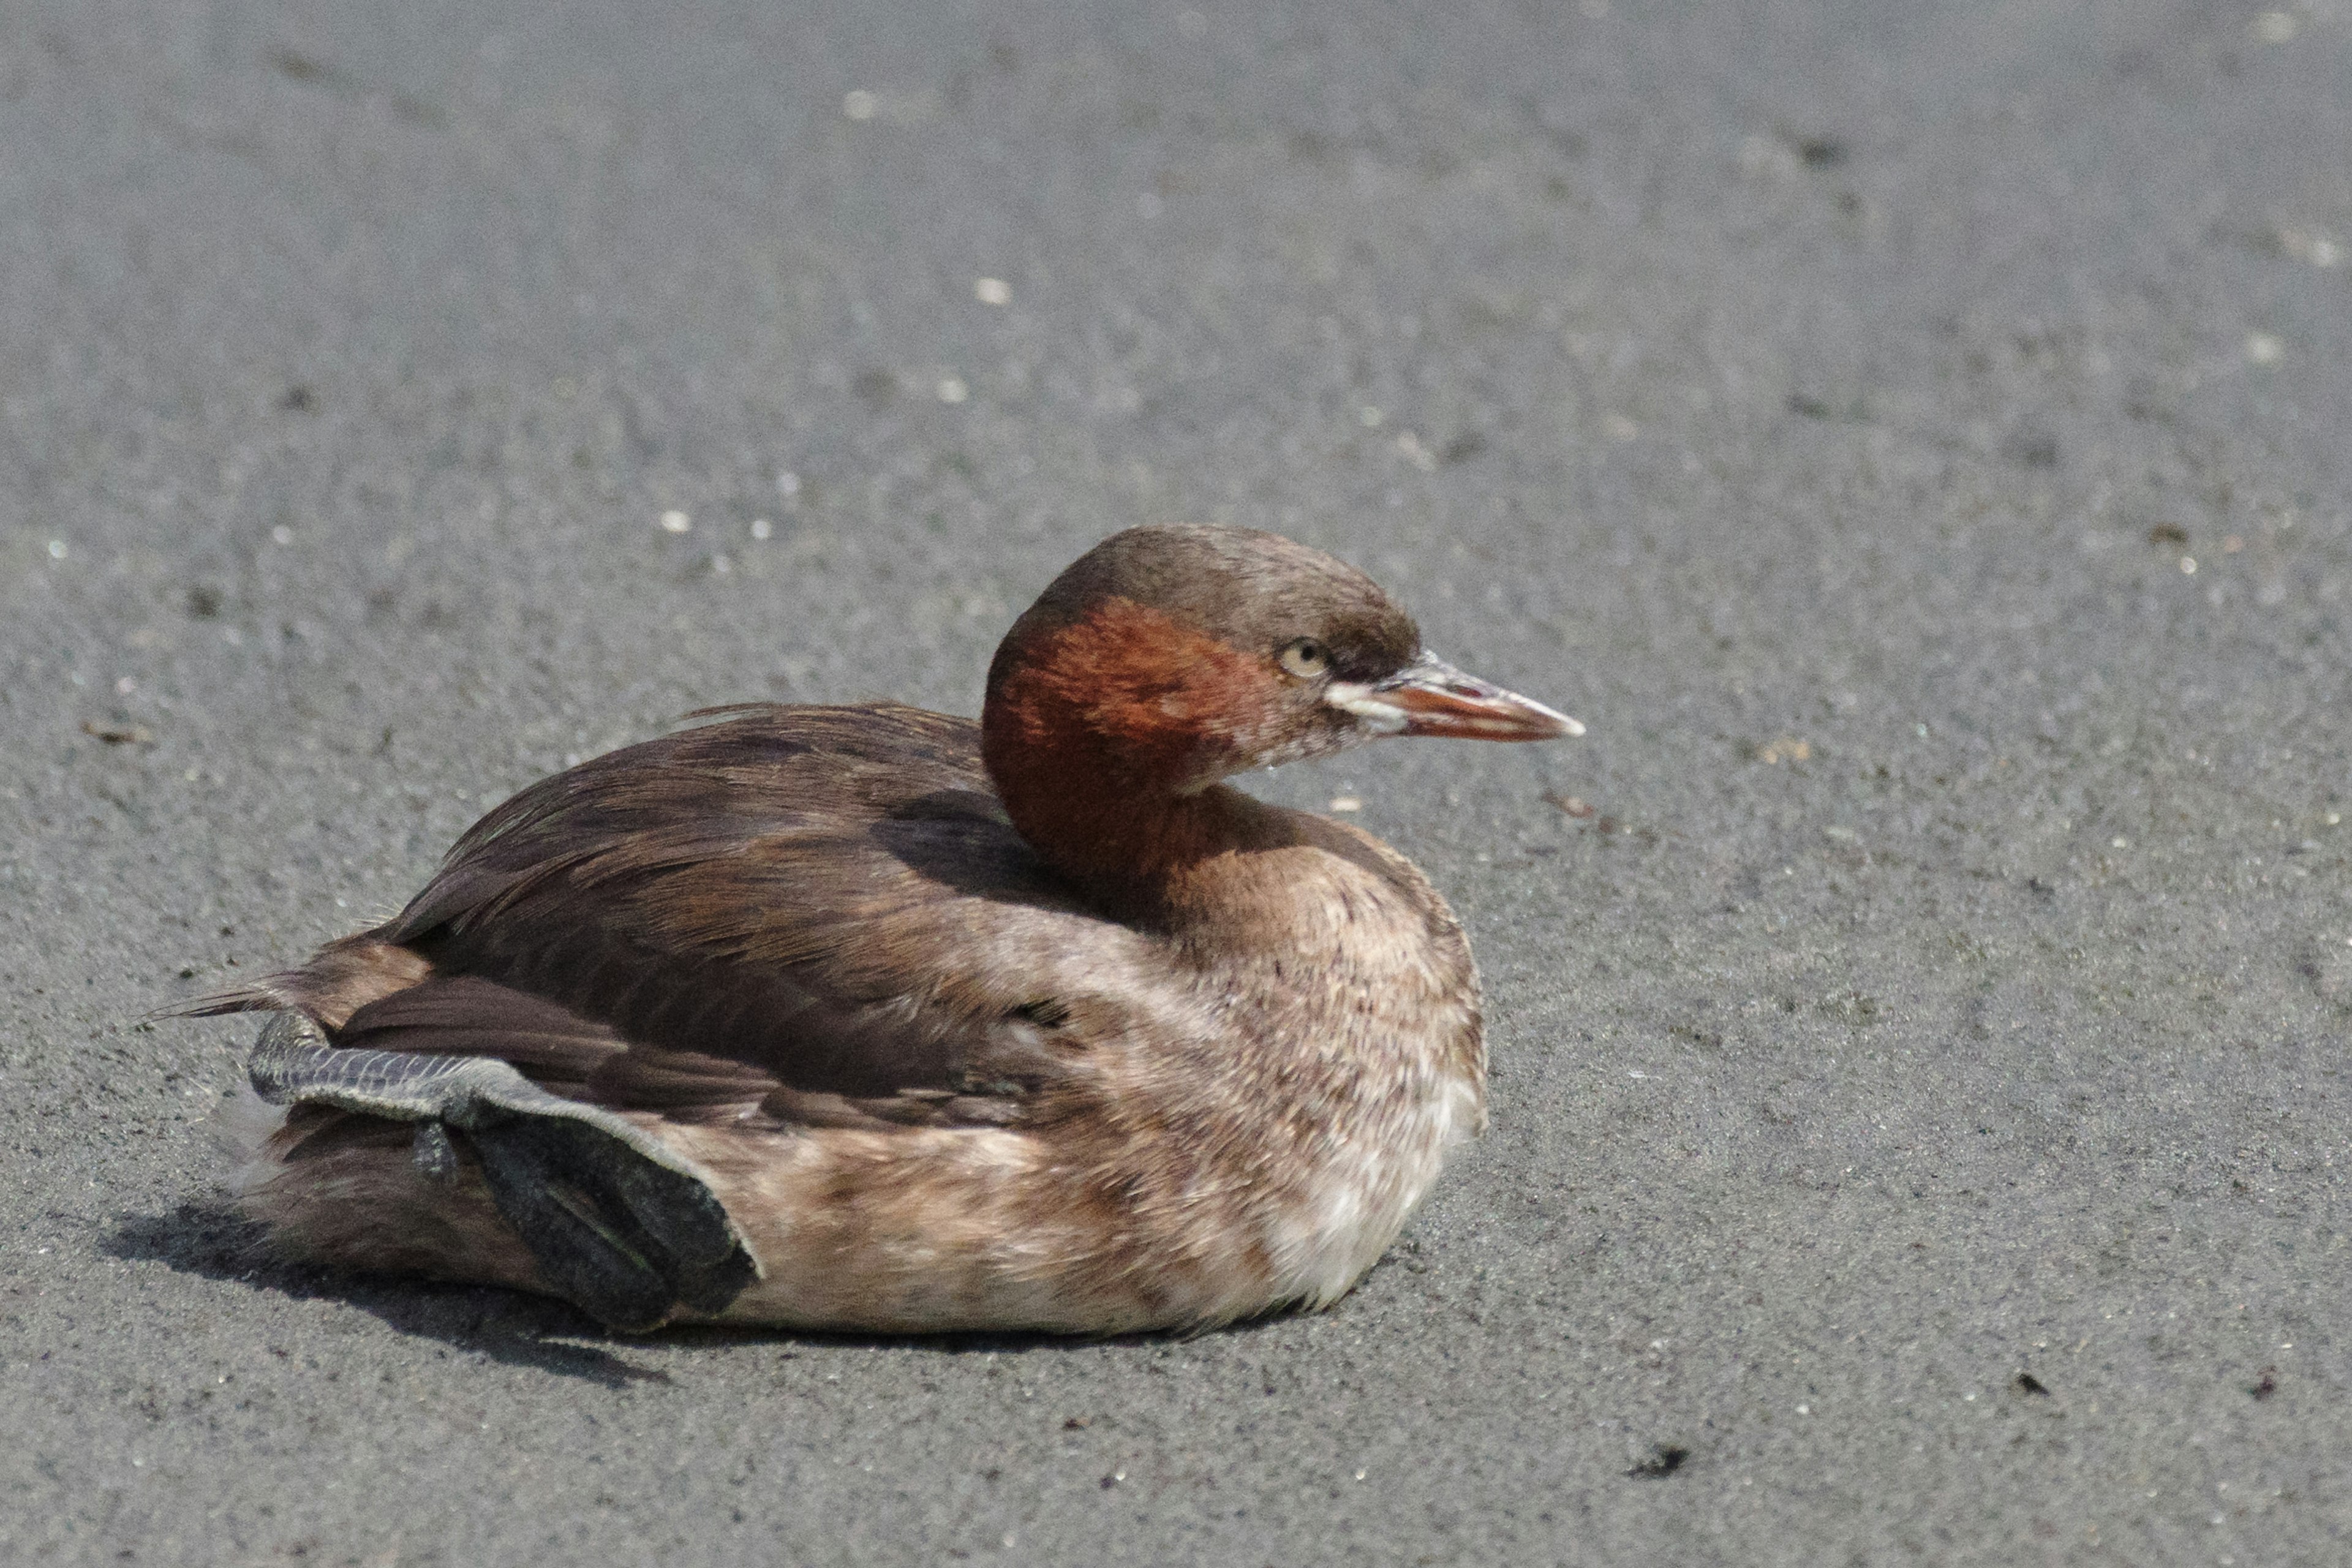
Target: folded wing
[797,915]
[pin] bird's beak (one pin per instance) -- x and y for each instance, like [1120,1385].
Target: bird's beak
[1430,697]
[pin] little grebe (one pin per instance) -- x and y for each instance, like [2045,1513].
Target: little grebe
[867,1017]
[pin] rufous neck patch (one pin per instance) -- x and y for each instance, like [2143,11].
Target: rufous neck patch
[1101,725]
[1134,690]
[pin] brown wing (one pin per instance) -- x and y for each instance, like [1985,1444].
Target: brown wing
[808,914]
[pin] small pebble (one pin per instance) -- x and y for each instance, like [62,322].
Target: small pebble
[762,528]
[859,104]
[1347,802]
[675,522]
[993,291]
[2305,245]
[952,389]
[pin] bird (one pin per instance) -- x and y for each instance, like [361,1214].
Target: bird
[870,1018]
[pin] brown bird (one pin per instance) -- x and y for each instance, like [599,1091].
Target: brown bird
[867,1017]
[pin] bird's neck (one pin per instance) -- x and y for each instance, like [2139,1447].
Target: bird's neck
[1091,814]
[1104,733]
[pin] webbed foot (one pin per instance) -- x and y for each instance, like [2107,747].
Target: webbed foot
[618,1223]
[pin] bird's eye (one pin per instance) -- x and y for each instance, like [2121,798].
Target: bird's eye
[1305,658]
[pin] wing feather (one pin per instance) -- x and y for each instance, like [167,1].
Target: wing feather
[804,914]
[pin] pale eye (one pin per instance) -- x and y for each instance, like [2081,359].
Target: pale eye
[1305,658]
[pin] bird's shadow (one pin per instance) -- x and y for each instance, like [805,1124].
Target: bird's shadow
[510,1326]
[514,1327]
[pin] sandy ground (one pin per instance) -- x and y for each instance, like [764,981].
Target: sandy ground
[1912,435]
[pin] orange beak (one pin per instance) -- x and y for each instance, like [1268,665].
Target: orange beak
[1430,697]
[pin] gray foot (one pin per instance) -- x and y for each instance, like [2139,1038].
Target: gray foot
[618,1223]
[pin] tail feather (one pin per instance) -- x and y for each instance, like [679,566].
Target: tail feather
[268,994]
[338,980]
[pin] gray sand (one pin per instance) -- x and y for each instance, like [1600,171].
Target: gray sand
[1913,436]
